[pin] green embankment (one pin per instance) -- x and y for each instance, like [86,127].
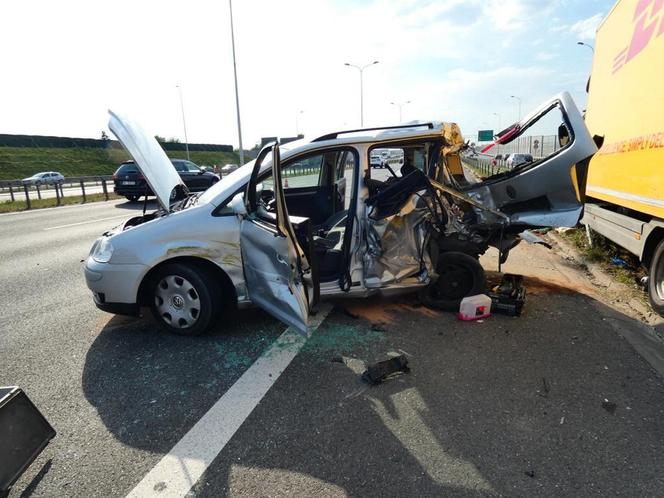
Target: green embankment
[21,162]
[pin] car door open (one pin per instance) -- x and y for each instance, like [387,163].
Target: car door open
[546,186]
[279,277]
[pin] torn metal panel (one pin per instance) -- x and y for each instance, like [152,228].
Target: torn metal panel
[395,246]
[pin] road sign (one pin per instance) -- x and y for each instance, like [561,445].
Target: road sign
[485,136]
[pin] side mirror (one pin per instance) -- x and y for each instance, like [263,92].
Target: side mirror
[238,206]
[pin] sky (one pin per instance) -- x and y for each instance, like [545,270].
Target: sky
[66,63]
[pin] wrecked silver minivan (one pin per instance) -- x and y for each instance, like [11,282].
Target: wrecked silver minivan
[311,220]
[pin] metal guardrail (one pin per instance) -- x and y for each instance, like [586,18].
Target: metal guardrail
[486,166]
[18,190]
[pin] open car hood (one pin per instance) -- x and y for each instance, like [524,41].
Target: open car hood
[150,158]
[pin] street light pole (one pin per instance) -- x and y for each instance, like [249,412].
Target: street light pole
[361,70]
[297,122]
[519,99]
[499,125]
[184,123]
[400,105]
[237,97]
[586,45]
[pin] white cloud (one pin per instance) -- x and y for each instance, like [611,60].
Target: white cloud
[586,28]
[455,59]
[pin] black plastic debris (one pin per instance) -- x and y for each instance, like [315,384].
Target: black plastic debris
[609,406]
[509,296]
[24,433]
[530,473]
[381,371]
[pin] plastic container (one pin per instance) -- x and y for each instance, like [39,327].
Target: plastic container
[475,307]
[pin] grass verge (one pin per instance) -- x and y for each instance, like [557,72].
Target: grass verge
[10,207]
[616,261]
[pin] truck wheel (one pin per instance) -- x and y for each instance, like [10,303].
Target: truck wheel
[459,276]
[656,279]
[183,299]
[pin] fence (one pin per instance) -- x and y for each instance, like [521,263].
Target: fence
[484,167]
[16,190]
[535,145]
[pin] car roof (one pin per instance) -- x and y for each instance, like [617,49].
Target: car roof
[381,136]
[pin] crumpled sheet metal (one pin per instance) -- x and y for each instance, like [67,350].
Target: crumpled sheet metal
[395,246]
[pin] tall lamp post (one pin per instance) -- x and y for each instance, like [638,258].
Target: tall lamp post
[184,123]
[361,70]
[586,45]
[400,105]
[237,97]
[499,121]
[297,122]
[519,99]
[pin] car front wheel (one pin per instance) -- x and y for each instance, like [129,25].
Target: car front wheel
[459,276]
[184,300]
[132,198]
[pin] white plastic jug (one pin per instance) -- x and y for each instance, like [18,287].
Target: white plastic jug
[475,307]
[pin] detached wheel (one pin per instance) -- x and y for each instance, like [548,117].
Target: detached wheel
[656,279]
[184,300]
[459,276]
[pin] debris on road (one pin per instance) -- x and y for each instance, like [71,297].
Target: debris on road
[544,392]
[616,261]
[509,296]
[383,370]
[530,473]
[609,406]
[475,307]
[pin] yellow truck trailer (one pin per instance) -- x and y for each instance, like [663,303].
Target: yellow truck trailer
[625,112]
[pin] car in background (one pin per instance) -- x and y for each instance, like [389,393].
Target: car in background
[228,168]
[377,161]
[44,178]
[130,182]
[515,160]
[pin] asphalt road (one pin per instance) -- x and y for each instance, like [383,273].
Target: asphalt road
[554,403]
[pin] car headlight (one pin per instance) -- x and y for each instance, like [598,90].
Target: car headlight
[103,251]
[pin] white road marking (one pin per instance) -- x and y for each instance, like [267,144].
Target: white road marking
[181,468]
[89,221]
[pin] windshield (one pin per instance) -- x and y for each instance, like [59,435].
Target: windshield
[226,182]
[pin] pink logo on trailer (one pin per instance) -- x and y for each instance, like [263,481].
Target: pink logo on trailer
[649,24]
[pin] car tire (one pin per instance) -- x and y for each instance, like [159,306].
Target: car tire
[183,299]
[459,275]
[656,279]
[132,198]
